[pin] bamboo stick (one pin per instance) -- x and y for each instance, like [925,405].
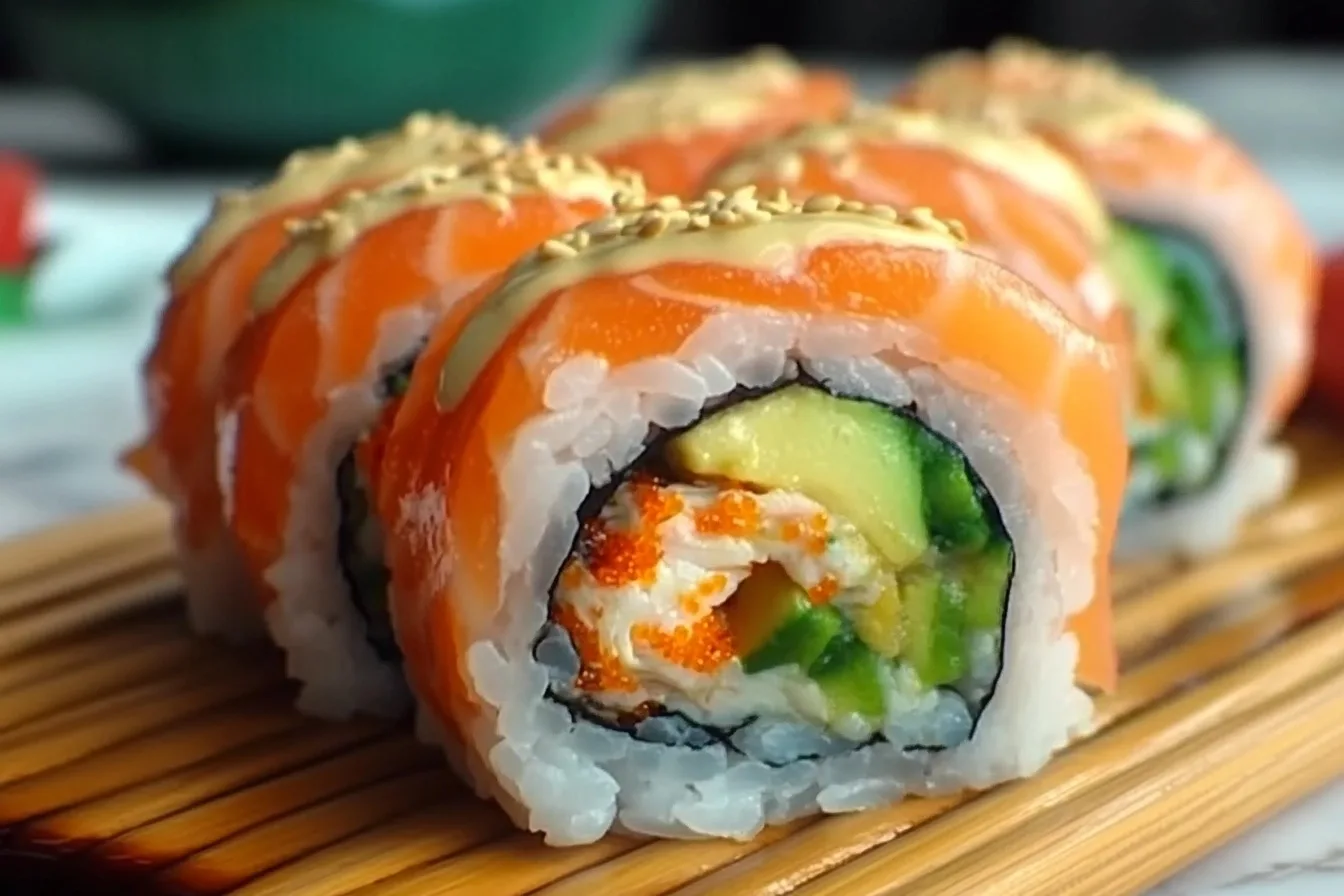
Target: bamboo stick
[1103,843]
[259,849]
[54,550]
[142,589]
[179,836]
[290,750]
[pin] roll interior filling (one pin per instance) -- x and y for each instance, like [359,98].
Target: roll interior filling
[796,574]
[1191,360]
[359,534]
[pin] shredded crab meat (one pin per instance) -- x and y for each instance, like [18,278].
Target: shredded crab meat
[642,597]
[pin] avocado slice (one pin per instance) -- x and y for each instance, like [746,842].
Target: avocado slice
[851,456]
[1137,265]
[984,579]
[774,623]
[935,625]
[953,512]
[881,624]
[850,676]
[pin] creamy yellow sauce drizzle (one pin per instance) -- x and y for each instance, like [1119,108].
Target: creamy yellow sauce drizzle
[1084,96]
[737,230]
[310,174]
[1002,147]
[679,100]
[515,172]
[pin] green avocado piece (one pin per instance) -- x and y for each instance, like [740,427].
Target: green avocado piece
[849,674]
[853,457]
[952,510]
[984,579]
[935,625]
[774,623]
[1163,454]
[1214,390]
[1139,269]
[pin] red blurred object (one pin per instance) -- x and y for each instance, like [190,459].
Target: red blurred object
[19,183]
[1327,375]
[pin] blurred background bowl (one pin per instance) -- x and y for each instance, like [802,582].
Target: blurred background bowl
[254,78]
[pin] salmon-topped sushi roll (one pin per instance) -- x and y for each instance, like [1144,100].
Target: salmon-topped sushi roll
[211,284]
[342,313]
[1020,201]
[674,124]
[711,515]
[1218,273]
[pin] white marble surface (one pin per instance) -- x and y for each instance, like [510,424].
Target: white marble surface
[68,400]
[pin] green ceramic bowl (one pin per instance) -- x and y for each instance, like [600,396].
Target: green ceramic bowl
[262,76]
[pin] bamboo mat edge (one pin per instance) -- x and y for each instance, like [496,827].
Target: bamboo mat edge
[126,560]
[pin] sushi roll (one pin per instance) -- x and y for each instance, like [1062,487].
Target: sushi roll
[674,124]
[1218,274]
[211,284]
[718,514]
[1021,202]
[341,315]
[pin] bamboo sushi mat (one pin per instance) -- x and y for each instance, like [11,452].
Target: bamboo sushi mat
[136,759]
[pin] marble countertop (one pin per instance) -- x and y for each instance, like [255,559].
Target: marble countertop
[69,400]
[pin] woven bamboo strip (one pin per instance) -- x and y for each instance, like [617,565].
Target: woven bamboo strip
[49,554]
[113,815]
[107,601]
[176,837]
[271,844]
[162,703]
[125,637]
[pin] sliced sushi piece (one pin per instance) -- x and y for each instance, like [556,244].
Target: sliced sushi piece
[1219,275]
[674,124]
[211,285]
[342,313]
[713,515]
[1021,202]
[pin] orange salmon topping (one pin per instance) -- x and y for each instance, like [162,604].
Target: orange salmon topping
[824,590]
[731,514]
[619,558]
[599,670]
[810,532]
[704,646]
[369,449]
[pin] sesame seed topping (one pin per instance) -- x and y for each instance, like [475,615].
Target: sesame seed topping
[557,249]
[822,202]
[719,210]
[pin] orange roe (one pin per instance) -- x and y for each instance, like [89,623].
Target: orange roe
[656,504]
[733,513]
[710,585]
[824,590]
[812,532]
[599,670]
[704,646]
[618,558]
